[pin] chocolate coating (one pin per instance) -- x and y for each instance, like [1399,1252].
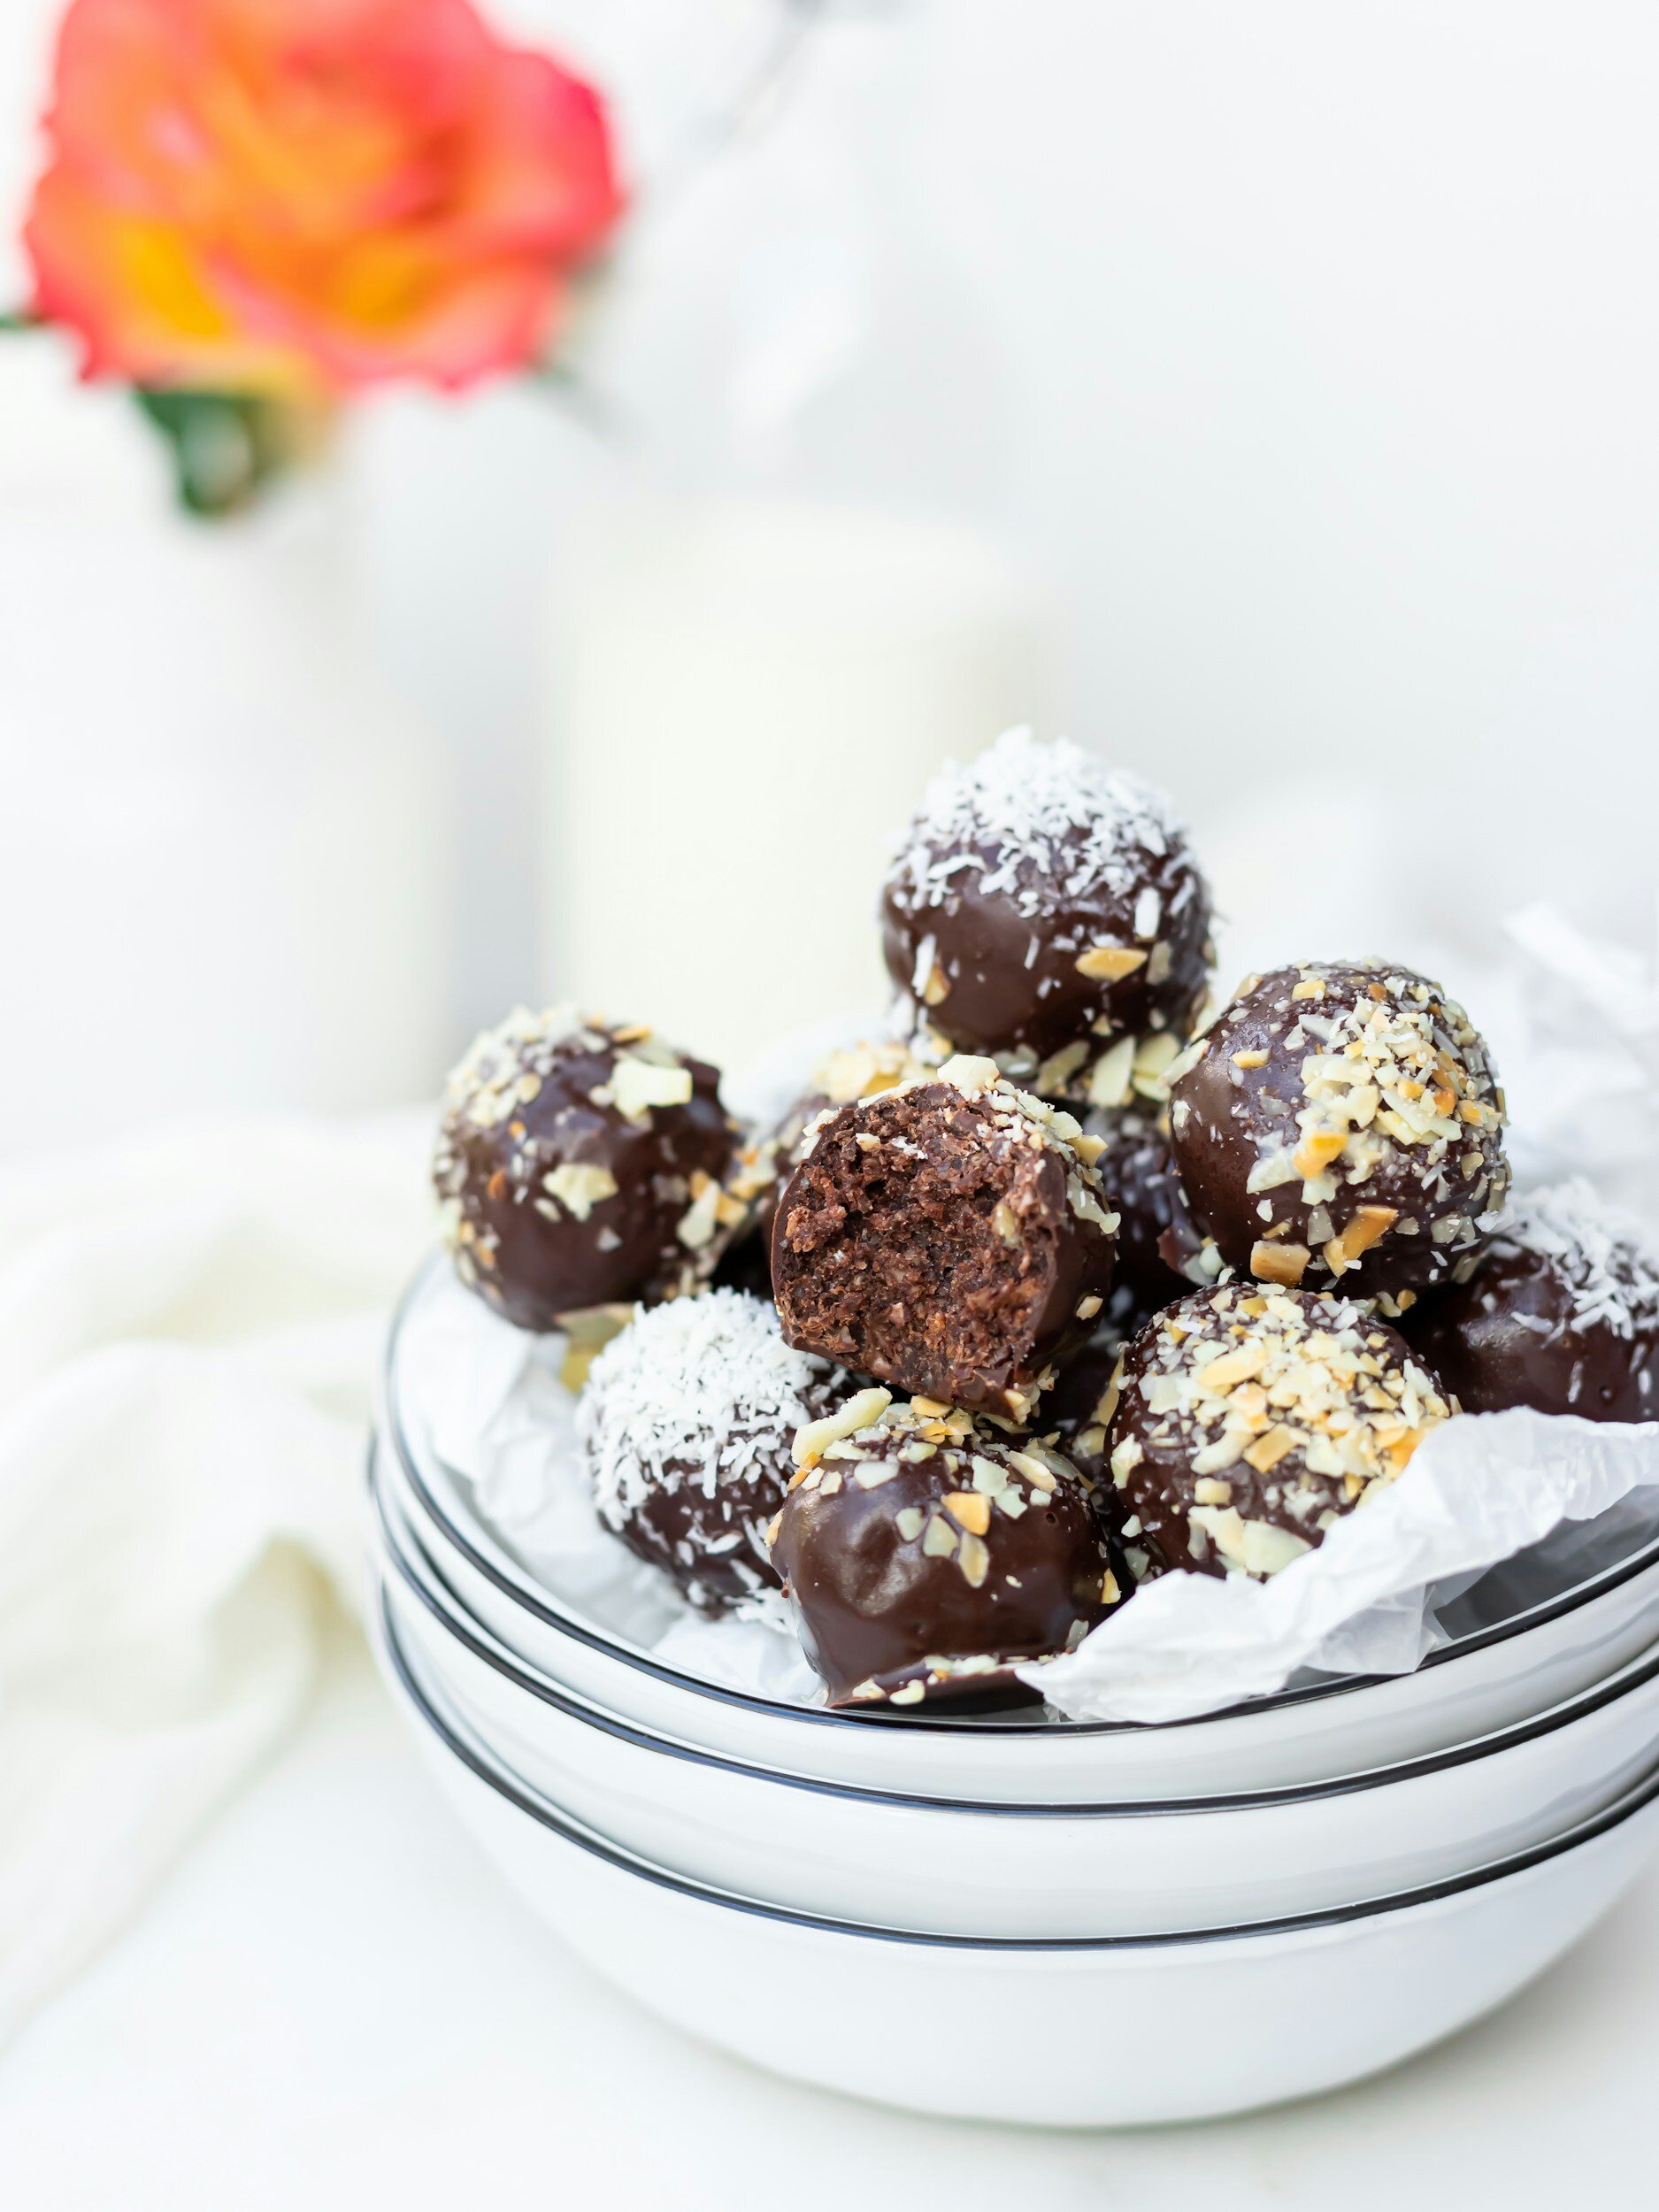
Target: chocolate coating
[1077,1410]
[1160,1246]
[581,1165]
[1250,1417]
[1341,1123]
[951,1238]
[1041,910]
[687,1424]
[1562,1316]
[914,1577]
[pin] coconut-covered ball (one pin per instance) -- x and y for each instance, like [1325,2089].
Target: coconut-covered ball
[1562,1315]
[861,1070]
[581,1164]
[949,1237]
[925,1554]
[1250,1417]
[1341,1123]
[1045,912]
[687,1424]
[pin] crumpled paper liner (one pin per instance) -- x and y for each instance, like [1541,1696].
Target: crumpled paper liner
[1477,1490]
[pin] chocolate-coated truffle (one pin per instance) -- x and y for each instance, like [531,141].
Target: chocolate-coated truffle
[1162,1254]
[1341,1123]
[951,1238]
[1250,1417]
[1045,912]
[687,1424]
[924,1553]
[1077,1409]
[1562,1315]
[581,1165]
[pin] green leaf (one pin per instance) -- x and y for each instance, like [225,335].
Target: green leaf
[227,446]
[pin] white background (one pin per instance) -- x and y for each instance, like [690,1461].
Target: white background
[1328,338]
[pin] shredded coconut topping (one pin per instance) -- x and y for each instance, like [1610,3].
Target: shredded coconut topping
[1603,1255]
[1029,817]
[702,1391]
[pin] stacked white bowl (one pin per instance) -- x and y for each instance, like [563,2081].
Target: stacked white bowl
[1019,1917]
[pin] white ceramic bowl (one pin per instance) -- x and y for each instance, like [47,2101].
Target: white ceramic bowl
[1084,2035]
[1035,1870]
[1502,1673]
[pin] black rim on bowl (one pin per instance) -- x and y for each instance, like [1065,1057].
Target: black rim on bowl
[544,1814]
[582,1631]
[1619,1686]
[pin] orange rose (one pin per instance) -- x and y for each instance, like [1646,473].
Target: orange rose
[299,197]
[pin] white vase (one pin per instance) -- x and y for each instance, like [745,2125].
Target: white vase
[746,697]
[806,593]
[223,865]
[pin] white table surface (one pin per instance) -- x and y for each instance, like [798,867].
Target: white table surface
[333,2003]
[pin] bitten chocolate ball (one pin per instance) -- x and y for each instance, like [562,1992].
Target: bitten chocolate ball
[951,1238]
[581,1165]
[926,1554]
[1047,912]
[862,1071]
[1562,1316]
[687,1424]
[1249,1418]
[1342,1123]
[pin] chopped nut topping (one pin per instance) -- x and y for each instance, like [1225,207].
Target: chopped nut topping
[1109,964]
[637,1085]
[1284,1264]
[968,1508]
[579,1185]
[860,1411]
[974,1560]
[1370,1223]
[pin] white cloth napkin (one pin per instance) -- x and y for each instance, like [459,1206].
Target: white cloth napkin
[188,1334]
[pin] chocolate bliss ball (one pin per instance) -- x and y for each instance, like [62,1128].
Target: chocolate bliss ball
[687,1424]
[1249,1418]
[1046,912]
[861,1070]
[579,1165]
[926,1554]
[948,1237]
[1341,1123]
[1562,1316]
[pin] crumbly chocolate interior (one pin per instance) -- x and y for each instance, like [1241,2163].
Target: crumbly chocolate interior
[915,1243]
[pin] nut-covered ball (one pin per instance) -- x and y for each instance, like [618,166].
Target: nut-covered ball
[1249,1418]
[687,1424]
[1045,912]
[579,1165]
[926,1554]
[1562,1315]
[950,1237]
[1341,1124]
